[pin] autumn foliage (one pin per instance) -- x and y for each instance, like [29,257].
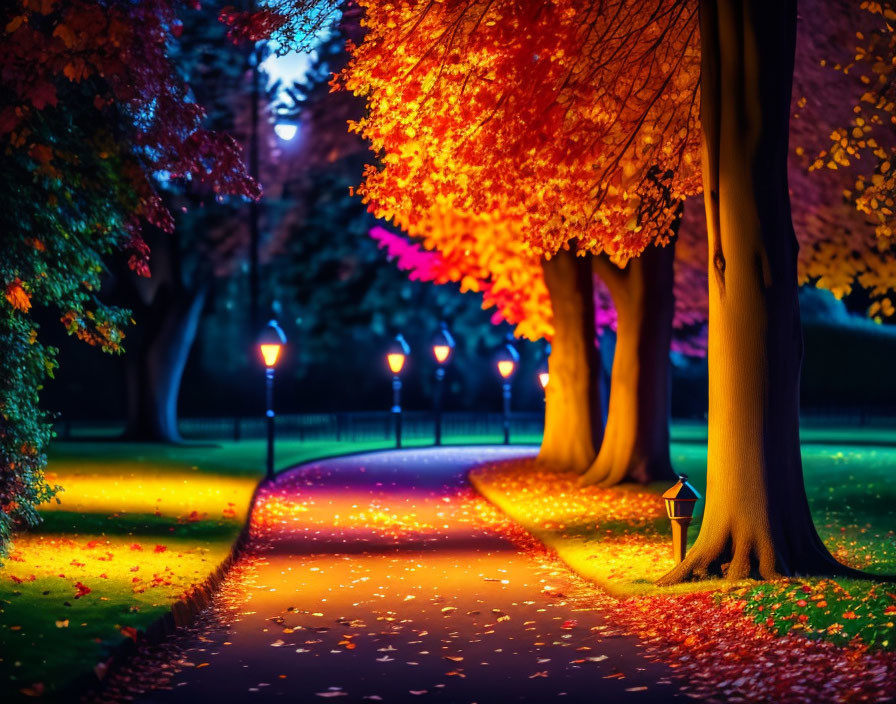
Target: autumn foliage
[599,165]
[94,118]
[843,129]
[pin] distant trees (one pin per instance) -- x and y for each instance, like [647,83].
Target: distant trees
[210,237]
[558,121]
[93,114]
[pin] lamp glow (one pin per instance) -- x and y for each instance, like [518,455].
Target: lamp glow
[285,131]
[543,378]
[395,361]
[441,352]
[270,354]
[506,367]
[270,343]
[442,347]
[396,354]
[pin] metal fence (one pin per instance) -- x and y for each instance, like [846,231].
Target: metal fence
[377,425]
[354,426]
[371,425]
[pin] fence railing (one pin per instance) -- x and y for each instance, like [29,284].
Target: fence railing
[353,426]
[376,425]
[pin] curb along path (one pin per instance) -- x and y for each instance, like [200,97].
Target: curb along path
[383,577]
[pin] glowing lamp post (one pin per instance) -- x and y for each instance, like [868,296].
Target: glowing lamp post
[543,376]
[507,361]
[270,344]
[286,126]
[442,348]
[680,500]
[395,357]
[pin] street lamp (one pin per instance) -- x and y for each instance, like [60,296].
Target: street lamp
[285,130]
[286,126]
[270,344]
[543,371]
[680,500]
[442,347]
[507,361]
[395,357]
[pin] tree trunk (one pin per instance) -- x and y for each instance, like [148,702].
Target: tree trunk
[572,423]
[636,439]
[154,372]
[757,521]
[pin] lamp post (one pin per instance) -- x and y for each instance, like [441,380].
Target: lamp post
[680,501]
[507,361]
[395,357]
[270,344]
[286,125]
[442,348]
[543,371]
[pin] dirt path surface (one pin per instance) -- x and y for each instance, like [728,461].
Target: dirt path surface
[375,578]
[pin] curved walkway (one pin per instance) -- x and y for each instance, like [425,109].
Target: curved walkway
[375,578]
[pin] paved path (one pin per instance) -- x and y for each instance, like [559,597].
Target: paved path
[371,579]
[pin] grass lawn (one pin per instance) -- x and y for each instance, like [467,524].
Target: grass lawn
[621,538]
[135,528]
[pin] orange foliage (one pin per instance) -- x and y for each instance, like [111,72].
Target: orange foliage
[17,297]
[575,124]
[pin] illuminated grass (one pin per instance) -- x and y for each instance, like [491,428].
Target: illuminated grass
[621,539]
[137,525]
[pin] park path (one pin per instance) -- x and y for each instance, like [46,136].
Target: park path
[375,577]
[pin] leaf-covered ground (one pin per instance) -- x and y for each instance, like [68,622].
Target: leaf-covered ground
[375,579]
[137,526]
[787,640]
[383,577]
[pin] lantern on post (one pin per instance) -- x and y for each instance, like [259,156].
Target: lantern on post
[442,348]
[680,501]
[507,360]
[270,345]
[396,356]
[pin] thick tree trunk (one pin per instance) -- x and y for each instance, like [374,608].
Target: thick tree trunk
[636,439]
[757,521]
[154,371]
[572,424]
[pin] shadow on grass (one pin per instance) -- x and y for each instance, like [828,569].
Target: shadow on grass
[645,528]
[136,525]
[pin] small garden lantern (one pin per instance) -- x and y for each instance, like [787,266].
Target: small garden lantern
[680,501]
[395,357]
[507,360]
[270,345]
[442,348]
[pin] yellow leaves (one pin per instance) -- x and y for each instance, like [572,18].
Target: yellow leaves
[883,308]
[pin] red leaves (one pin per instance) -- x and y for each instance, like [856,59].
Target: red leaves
[129,632]
[42,95]
[81,589]
[251,26]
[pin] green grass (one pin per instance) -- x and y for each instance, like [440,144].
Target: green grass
[172,512]
[852,495]
[122,501]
